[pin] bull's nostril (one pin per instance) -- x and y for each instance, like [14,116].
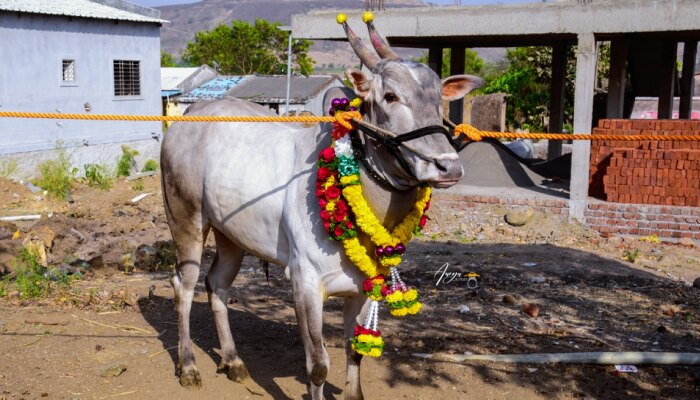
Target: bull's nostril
[442,165]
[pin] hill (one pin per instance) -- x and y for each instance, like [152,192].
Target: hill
[186,19]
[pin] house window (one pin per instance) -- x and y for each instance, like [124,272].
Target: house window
[127,78]
[68,70]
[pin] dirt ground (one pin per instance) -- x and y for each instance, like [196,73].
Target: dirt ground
[113,334]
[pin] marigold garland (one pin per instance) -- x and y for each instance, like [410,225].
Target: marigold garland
[344,211]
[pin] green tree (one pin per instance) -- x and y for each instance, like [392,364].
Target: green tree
[167,59]
[527,82]
[242,48]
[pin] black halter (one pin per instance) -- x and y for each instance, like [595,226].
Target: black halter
[393,144]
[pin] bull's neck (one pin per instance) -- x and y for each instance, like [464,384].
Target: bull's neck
[390,206]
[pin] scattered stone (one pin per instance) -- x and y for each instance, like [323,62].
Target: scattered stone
[113,371]
[37,247]
[42,233]
[7,230]
[121,213]
[510,299]
[9,249]
[696,283]
[687,242]
[533,310]
[99,347]
[519,217]
[97,262]
[464,309]
[420,344]
[16,198]
[32,188]
[538,279]
[146,257]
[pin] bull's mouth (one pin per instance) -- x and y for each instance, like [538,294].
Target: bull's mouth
[444,184]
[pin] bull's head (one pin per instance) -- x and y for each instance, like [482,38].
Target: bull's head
[402,96]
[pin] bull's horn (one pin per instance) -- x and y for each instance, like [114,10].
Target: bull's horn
[379,44]
[362,51]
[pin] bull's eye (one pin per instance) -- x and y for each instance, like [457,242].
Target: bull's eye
[390,97]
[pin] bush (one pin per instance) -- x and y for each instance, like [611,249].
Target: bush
[31,279]
[151,165]
[8,168]
[56,176]
[126,162]
[99,176]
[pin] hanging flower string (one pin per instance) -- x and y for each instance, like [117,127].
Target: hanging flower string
[344,212]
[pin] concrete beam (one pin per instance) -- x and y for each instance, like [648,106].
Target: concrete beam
[457,64]
[690,50]
[517,20]
[556,99]
[618,77]
[583,119]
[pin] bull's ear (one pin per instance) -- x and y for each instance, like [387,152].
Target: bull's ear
[359,81]
[458,86]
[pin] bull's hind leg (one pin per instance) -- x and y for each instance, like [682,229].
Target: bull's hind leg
[223,271]
[308,306]
[189,255]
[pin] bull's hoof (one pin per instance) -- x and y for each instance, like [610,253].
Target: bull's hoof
[318,374]
[191,379]
[237,372]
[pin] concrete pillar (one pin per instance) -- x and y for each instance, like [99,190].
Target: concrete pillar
[667,78]
[583,119]
[690,50]
[435,60]
[556,98]
[457,61]
[618,78]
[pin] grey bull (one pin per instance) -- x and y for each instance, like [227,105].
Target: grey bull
[253,186]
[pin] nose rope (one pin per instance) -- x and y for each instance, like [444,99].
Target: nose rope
[396,140]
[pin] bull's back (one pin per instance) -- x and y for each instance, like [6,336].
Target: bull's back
[238,177]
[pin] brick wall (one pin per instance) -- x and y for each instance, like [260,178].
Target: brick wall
[667,222]
[646,172]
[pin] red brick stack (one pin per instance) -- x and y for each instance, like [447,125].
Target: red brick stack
[646,171]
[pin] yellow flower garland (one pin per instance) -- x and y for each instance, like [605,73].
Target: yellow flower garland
[371,226]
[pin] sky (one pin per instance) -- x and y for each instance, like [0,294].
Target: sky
[156,3]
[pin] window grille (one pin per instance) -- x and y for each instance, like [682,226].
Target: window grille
[127,78]
[68,70]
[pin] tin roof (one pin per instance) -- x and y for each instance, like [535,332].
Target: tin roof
[171,77]
[213,89]
[273,89]
[85,9]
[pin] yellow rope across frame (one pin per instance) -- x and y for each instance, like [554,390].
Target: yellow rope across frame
[342,118]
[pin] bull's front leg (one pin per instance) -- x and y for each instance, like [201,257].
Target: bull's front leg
[354,311]
[308,306]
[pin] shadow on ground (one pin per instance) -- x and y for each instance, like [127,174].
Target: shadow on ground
[588,303]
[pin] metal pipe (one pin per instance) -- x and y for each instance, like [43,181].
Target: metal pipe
[289,68]
[605,358]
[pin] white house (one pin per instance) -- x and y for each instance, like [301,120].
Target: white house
[78,56]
